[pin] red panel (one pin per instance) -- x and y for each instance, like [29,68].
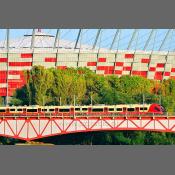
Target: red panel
[15,72]
[50,59]
[3,80]
[109,67]
[152,69]
[91,63]
[2,90]
[3,76]
[15,84]
[118,72]
[158,75]
[26,55]
[109,72]
[160,64]
[101,67]
[101,59]
[129,55]
[2,72]
[145,60]
[135,72]
[62,67]
[20,64]
[119,63]
[167,74]
[2,60]
[127,68]
[140,73]
[143,74]
[172,69]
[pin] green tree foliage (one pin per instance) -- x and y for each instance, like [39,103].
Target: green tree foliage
[1,101]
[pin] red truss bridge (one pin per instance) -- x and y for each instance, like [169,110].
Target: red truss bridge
[34,127]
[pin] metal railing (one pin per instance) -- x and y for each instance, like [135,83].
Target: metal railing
[89,115]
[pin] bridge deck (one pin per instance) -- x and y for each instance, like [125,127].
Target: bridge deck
[38,126]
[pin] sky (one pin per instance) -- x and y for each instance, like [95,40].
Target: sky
[106,37]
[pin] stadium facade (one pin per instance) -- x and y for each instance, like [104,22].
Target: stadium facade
[157,65]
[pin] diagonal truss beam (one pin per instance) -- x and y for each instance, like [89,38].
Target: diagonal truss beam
[114,39]
[149,38]
[96,38]
[56,38]
[78,36]
[165,39]
[132,38]
[33,39]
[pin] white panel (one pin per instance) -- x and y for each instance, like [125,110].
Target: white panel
[3,55]
[19,68]
[120,56]
[118,67]
[87,59]
[71,59]
[67,55]
[44,55]
[102,64]
[172,73]
[106,55]
[82,64]
[100,71]
[128,60]
[92,67]
[137,59]
[14,55]
[120,60]
[13,76]
[152,65]
[166,77]
[110,59]
[20,59]
[160,69]
[3,85]
[126,73]
[70,64]
[126,64]
[170,59]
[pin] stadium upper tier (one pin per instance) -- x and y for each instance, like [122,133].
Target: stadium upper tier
[157,65]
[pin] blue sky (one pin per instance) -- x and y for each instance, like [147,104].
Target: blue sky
[106,37]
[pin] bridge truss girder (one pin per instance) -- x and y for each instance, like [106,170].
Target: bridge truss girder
[34,128]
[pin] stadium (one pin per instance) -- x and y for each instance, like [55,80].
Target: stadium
[143,52]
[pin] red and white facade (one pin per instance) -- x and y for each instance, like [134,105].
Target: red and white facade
[152,65]
[157,66]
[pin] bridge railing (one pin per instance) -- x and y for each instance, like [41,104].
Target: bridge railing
[90,115]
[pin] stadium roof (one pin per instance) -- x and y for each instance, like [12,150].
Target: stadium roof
[91,39]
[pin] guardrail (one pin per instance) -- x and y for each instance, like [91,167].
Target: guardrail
[91,115]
